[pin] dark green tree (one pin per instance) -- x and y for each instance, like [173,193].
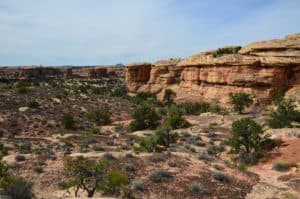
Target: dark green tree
[240,101]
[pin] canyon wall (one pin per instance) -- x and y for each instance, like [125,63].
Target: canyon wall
[260,68]
[60,72]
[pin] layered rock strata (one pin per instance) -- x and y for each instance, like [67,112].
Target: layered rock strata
[260,68]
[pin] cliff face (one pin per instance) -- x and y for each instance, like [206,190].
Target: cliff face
[59,73]
[259,68]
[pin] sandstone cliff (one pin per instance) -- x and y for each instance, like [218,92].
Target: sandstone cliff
[259,68]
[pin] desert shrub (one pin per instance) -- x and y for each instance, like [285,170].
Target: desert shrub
[240,101]
[205,157]
[3,150]
[143,98]
[137,186]
[38,169]
[115,180]
[20,158]
[197,189]
[281,166]
[82,89]
[129,168]
[33,104]
[99,116]
[67,121]
[84,174]
[119,92]
[173,164]
[195,108]
[18,188]
[3,170]
[224,51]
[165,136]
[246,137]
[218,167]
[93,131]
[169,96]
[144,118]
[278,97]
[157,158]
[99,90]
[148,143]
[160,176]
[220,177]
[22,90]
[25,148]
[284,115]
[108,156]
[175,119]
[215,150]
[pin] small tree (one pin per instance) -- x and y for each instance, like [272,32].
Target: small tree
[67,121]
[284,115]
[165,136]
[175,119]
[240,101]
[144,118]
[247,137]
[169,96]
[84,174]
[99,116]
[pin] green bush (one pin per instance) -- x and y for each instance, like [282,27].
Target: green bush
[246,137]
[281,166]
[119,92]
[160,176]
[88,175]
[115,181]
[240,101]
[3,150]
[175,119]
[169,96]
[144,118]
[284,115]
[164,136]
[197,189]
[195,108]
[148,143]
[143,98]
[67,121]
[22,90]
[33,104]
[99,90]
[101,117]
[224,51]
[18,188]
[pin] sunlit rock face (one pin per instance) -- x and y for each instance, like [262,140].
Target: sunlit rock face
[260,68]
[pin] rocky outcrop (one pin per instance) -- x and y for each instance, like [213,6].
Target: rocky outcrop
[93,72]
[259,68]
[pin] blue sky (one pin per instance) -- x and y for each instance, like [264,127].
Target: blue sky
[83,32]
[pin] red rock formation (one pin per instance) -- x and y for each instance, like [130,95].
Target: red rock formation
[259,69]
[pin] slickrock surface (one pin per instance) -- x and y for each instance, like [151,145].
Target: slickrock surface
[260,68]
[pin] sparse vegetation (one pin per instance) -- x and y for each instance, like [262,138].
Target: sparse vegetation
[225,51]
[281,166]
[33,104]
[160,176]
[169,96]
[240,101]
[246,139]
[67,121]
[197,189]
[144,118]
[283,115]
[174,118]
[99,116]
